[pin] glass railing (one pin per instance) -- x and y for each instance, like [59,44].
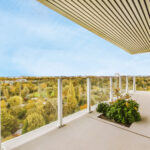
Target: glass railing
[143,83]
[130,83]
[115,84]
[27,105]
[123,83]
[74,95]
[99,89]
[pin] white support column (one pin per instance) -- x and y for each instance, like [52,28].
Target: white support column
[88,95]
[120,84]
[59,103]
[134,84]
[111,90]
[126,84]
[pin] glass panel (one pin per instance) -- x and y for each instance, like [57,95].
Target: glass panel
[74,95]
[143,83]
[130,83]
[27,105]
[123,82]
[115,84]
[100,87]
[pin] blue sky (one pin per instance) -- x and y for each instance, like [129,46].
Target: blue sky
[36,41]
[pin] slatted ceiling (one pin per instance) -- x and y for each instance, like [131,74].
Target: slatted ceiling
[136,21]
[83,18]
[134,14]
[97,20]
[125,23]
[142,19]
[90,19]
[128,21]
[111,23]
[147,10]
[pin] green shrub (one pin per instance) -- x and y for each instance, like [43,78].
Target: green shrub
[121,111]
[102,108]
[49,112]
[15,101]
[33,121]
[22,113]
[9,124]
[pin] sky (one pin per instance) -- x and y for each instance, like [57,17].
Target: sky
[36,41]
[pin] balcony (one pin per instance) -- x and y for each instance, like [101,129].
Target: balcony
[82,129]
[58,113]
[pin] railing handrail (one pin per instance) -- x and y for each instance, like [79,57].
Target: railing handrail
[62,77]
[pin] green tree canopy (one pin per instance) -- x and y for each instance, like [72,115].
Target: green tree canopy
[9,124]
[15,101]
[33,121]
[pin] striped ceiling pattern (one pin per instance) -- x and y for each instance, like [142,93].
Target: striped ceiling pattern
[125,23]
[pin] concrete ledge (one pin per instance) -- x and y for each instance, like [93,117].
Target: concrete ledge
[32,135]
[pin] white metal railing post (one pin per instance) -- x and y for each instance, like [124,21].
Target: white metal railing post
[59,103]
[88,95]
[126,84]
[134,84]
[111,90]
[120,84]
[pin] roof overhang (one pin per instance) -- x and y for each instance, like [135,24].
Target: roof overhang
[125,23]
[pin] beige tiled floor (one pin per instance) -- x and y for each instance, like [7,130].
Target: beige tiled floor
[90,133]
[143,127]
